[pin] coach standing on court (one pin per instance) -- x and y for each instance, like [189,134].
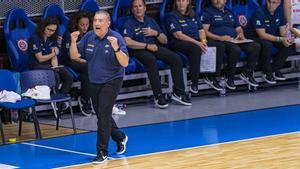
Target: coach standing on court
[106,54]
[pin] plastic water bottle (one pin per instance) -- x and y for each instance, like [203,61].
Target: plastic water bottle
[223,85]
[288,33]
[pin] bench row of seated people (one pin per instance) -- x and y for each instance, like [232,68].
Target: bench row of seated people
[190,34]
[187,33]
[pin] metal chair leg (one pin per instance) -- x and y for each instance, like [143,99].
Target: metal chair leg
[36,124]
[72,117]
[53,104]
[57,118]
[20,122]
[2,132]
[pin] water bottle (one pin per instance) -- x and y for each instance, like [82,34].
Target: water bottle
[223,85]
[288,33]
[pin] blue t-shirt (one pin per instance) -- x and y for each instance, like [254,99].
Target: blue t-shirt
[190,26]
[37,44]
[262,19]
[103,65]
[65,47]
[221,23]
[133,29]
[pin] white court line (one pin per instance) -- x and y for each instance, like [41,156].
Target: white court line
[59,149]
[189,148]
[5,166]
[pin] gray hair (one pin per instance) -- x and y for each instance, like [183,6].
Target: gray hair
[105,13]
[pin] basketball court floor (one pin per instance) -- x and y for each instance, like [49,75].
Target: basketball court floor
[242,130]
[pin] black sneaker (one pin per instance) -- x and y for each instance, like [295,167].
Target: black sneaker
[182,99]
[161,102]
[279,76]
[248,77]
[85,107]
[269,78]
[122,146]
[100,158]
[230,84]
[194,89]
[212,82]
[86,110]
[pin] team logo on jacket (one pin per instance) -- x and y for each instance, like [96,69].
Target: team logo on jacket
[22,45]
[243,20]
[172,26]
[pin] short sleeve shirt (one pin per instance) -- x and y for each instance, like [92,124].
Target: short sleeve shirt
[103,65]
[190,26]
[36,45]
[262,19]
[133,29]
[221,22]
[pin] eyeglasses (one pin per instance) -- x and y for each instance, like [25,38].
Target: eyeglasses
[50,30]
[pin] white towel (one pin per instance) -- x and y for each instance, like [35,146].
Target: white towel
[9,96]
[38,92]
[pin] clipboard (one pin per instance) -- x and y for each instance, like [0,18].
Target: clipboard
[209,60]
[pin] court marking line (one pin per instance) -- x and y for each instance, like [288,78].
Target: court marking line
[5,166]
[59,149]
[188,148]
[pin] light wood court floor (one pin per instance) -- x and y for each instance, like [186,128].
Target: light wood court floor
[48,131]
[275,152]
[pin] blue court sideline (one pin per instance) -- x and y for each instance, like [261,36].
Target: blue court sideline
[77,149]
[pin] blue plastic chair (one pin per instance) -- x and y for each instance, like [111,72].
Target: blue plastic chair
[7,82]
[17,29]
[244,13]
[89,6]
[32,78]
[55,10]
[246,10]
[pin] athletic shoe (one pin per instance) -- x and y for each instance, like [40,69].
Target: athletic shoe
[161,102]
[117,111]
[212,82]
[194,89]
[248,77]
[85,107]
[269,78]
[121,146]
[100,158]
[230,84]
[279,76]
[182,99]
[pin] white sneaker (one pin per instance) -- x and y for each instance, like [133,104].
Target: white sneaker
[117,111]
